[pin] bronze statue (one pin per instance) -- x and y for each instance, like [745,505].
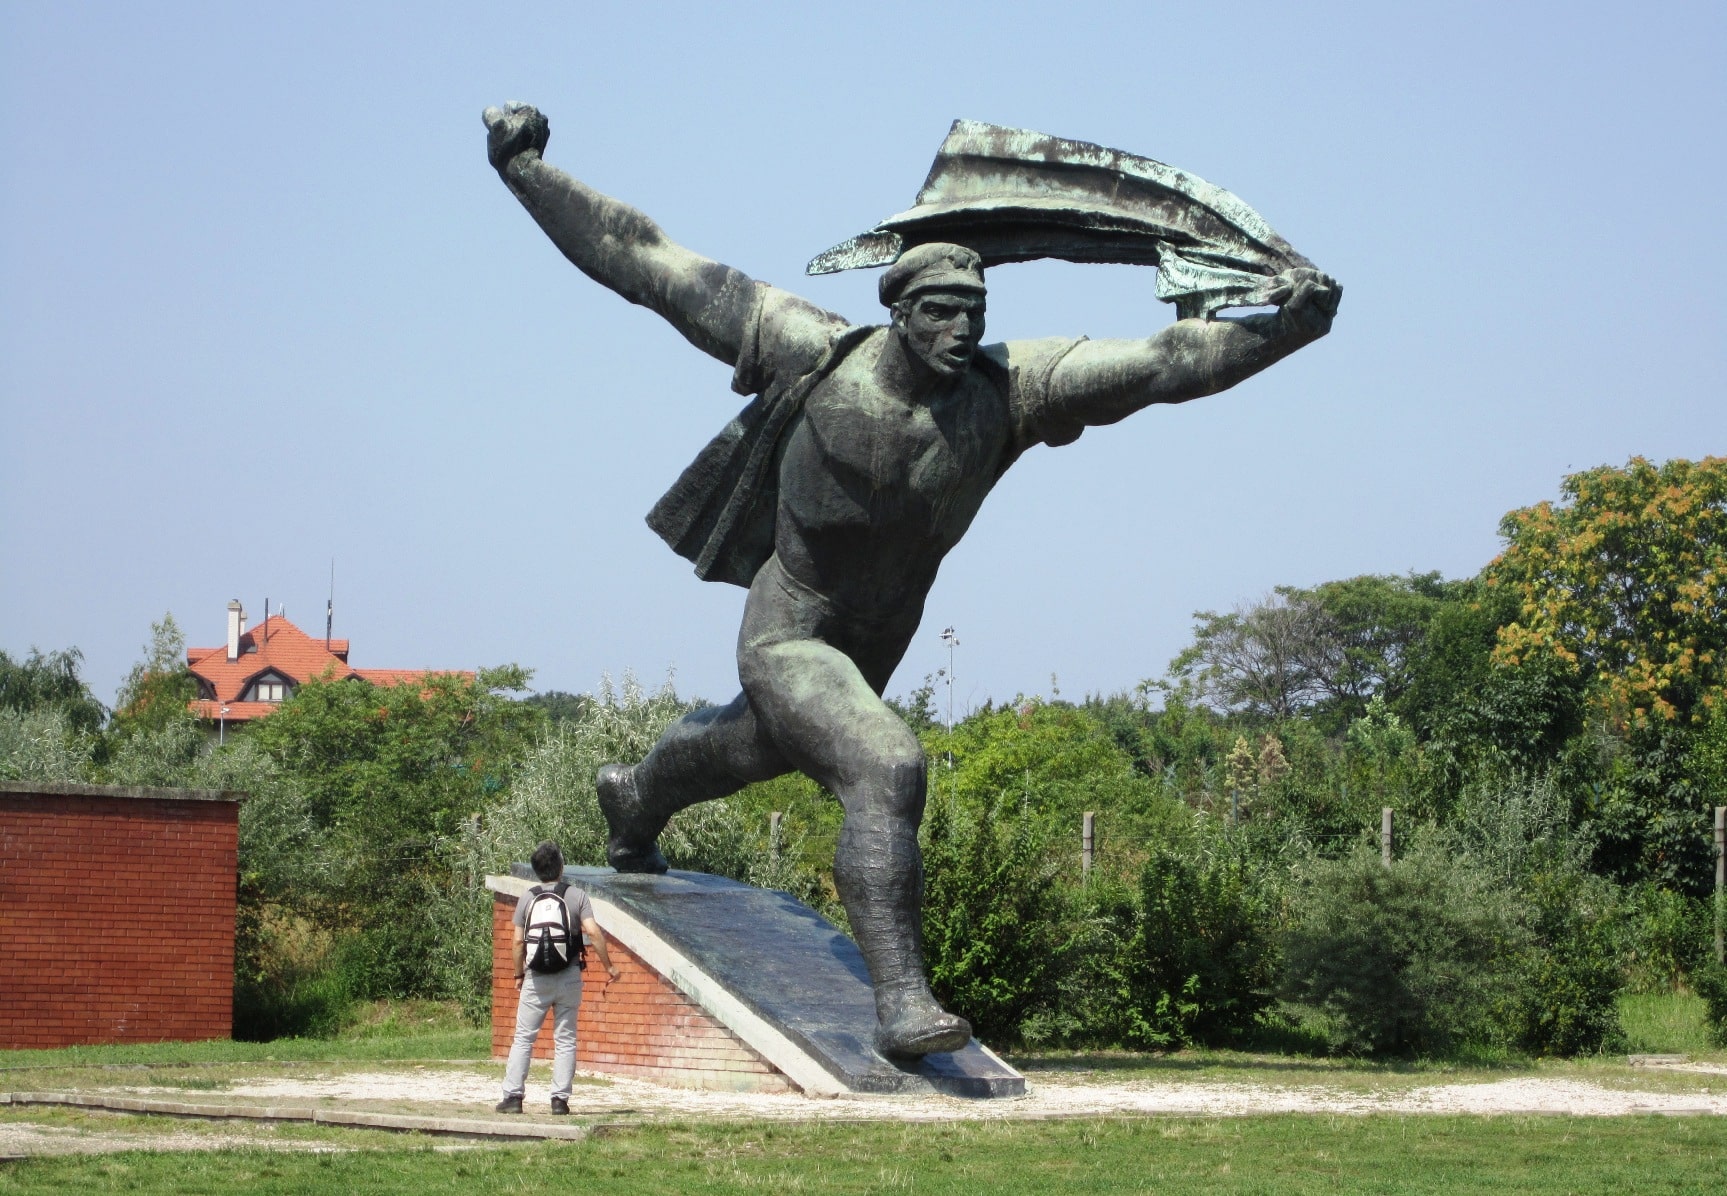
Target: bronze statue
[864,457]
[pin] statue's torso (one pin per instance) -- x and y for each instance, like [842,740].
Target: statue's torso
[874,490]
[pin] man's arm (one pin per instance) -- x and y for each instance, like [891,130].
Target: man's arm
[1100,382]
[616,245]
[597,936]
[519,953]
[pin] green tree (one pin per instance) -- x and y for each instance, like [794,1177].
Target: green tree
[392,775]
[1625,584]
[50,680]
[561,706]
[1055,759]
[402,763]
[158,691]
[1372,626]
[1324,651]
[1263,658]
[1473,710]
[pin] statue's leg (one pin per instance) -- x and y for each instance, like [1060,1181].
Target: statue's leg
[829,721]
[706,754]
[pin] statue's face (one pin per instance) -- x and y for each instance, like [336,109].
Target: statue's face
[942,328]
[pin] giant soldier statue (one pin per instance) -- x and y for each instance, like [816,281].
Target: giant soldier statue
[834,496]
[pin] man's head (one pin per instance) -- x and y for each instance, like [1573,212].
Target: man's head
[548,861]
[936,294]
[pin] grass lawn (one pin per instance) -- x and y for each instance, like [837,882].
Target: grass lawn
[383,1030]
[1280,1153]
[1258,1154]
[1667,1023]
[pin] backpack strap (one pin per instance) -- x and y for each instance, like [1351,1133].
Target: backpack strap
[578,940]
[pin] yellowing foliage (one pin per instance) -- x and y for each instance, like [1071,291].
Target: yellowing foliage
[1626,581]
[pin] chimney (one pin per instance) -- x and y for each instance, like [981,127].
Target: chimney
[236,625]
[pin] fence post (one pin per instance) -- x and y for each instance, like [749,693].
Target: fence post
[774,836]
[1720,880]
[1385,836]
[1087,842]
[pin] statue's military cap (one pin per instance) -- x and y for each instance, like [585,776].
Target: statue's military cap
[933,266]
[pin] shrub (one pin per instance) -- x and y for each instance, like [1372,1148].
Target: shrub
[1089,1002]
[285,984]
[1568,997]
[1666,938]
[1418,957]
[1710,981]
[1202,961]
[1514,830]
[989,935]
[42,745]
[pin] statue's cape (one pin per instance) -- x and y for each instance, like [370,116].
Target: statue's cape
[720,511]
[1014,195]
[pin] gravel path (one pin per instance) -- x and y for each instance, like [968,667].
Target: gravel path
[471,1091]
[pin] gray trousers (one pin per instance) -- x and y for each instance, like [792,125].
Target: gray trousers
[558,993]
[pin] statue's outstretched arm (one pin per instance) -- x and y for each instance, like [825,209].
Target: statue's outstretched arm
[1102,381]
[616,245]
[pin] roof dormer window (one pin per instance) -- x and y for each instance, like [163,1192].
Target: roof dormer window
[271,687]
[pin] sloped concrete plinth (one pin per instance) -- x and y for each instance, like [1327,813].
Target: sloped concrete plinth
[777,975]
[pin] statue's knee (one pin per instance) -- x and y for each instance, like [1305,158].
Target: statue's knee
[896,778]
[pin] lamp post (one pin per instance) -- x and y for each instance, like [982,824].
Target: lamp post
[952,642]
[222,727]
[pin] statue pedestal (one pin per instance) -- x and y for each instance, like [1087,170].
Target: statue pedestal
[729,986]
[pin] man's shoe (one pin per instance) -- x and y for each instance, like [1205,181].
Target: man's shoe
[560,1107]
[510,1104]
[628,848]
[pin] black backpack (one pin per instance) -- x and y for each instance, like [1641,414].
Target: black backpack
[552,943]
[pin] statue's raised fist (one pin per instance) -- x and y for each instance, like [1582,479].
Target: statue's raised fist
[1308,298]
[512,130]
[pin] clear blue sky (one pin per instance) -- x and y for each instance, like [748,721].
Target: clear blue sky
[264,304]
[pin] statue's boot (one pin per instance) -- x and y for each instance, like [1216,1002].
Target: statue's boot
[632,830]
[909,1022]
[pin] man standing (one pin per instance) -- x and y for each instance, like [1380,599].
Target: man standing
[549,923]
[834,497]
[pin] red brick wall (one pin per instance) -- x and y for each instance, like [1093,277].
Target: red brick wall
[638,1025]
[143,951]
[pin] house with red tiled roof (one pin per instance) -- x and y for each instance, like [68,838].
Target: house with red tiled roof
[256,670]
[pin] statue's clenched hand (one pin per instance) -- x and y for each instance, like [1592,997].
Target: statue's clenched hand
[512,130]
[1308,298]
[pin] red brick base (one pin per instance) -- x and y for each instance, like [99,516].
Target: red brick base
[638,1025]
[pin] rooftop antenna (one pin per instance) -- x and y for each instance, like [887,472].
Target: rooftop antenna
[266,622]
[330,606]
